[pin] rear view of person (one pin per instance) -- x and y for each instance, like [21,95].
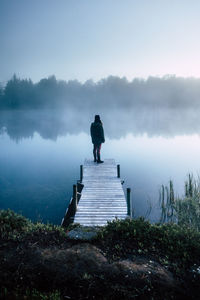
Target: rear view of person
[97,135]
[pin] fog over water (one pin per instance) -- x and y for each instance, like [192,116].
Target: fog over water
[152,129]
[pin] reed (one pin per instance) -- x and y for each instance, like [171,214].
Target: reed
[183,210]
[167,203]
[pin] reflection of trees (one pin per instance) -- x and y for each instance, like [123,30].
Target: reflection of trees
[156,106]
[117,123]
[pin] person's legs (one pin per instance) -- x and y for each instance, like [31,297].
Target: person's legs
[99,154]
[98,151]
[95,152]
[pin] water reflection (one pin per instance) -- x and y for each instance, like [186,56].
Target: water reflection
[51,124]
[36,175]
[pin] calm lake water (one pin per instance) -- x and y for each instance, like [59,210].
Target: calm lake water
[39,165]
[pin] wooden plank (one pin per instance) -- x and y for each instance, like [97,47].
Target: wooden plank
[102,198]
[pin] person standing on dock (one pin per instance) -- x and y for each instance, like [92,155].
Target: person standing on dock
[97,135]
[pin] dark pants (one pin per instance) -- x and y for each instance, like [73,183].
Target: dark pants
[96,151]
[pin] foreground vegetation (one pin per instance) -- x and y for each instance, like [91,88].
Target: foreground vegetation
[127,259]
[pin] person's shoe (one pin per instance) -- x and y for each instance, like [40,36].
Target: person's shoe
[95,160]
[100,161]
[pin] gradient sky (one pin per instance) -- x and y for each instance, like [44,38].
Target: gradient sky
[92,39]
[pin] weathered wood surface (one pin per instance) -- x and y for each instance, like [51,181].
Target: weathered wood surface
[102,198]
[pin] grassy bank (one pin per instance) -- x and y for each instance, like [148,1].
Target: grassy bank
[127,259]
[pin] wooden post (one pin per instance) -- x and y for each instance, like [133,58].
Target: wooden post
[79,187]
[74,198]
[81,173]
[129,206]
[118,171]
[68,218]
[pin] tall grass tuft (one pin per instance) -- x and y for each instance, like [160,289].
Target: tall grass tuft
[185,210]
[167,203]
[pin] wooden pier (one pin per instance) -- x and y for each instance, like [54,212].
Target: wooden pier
[99,196]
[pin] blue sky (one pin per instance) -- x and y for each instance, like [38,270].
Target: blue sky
[92,39]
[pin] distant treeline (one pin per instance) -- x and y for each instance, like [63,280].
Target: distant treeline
[112,92]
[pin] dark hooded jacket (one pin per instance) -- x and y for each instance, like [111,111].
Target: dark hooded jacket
[97,133]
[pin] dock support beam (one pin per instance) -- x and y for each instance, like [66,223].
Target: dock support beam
[74,198]
[118,171]
[129,204]
[81,173]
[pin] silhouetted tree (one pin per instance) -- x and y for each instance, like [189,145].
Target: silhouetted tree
[19,93]
[168,92]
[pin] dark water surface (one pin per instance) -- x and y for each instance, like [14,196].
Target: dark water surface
[39,161]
